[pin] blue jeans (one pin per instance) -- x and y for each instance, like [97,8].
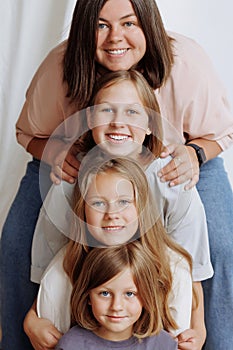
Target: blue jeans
[216,194]
[17,292]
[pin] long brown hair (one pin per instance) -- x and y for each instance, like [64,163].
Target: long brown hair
[80,67]
[151,233]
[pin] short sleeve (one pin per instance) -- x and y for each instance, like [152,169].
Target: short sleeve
[52,228]
[193,100]
[46,104]
[184,219]
[54,294]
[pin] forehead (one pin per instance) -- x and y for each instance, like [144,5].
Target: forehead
[122,8]
[122,280]
[119,92]
[110,184]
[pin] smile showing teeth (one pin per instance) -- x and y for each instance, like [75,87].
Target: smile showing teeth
[118,137]
[117,52]
[112,228]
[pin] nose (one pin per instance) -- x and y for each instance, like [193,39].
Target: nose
[115,34]
[117,119]
[117,303]
[112,212]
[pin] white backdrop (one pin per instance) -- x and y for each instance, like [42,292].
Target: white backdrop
[30,28]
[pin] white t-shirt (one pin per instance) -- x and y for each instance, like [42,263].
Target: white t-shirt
[53,301]
[182,213]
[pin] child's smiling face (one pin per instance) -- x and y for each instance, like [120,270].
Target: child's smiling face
[110,209]
[119,121]
[117,306]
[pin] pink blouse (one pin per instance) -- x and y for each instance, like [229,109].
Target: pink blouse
[193,101]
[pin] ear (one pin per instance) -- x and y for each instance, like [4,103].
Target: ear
[88,113]
[148,131]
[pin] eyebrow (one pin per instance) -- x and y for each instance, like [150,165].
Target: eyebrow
[116,104]
[124,17]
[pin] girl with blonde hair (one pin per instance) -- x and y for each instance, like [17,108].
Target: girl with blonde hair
[117,297]
[112,205]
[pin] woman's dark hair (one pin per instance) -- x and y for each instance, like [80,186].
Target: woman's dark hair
[80,67]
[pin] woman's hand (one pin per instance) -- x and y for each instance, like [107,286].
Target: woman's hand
[59,155]
[41,332]
[182,168]
[64,164]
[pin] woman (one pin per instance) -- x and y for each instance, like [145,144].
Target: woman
[101,39]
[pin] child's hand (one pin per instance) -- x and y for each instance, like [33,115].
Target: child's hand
[41,332]
[190,340]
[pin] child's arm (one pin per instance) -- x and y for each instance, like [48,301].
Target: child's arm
[194,338]
[41,332]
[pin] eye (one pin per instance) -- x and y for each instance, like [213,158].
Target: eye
[107,110]
[124,202]
[98,204]
[102,25]
[130,294]
[132,111]
[129,24]
[105,293]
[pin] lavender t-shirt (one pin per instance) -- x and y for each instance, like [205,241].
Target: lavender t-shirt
[81,339]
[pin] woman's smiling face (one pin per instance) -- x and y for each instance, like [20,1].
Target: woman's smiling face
[120,40]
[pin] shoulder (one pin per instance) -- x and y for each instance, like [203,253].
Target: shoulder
[57,201]
[162,341]
[54,294]
[54,57]
[153,169]
[191,65]
[86,339]
[168,193]
[178,263]
[188,52]
[157,164]
[182,42]
[74,335]
[50,68]
[54,277]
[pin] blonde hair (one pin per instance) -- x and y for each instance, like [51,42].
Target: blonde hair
[100,266]
[152,142]
[151,233]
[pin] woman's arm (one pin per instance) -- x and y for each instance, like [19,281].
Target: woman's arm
[59,155]
[197,113]
[44,111]
[41,332]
